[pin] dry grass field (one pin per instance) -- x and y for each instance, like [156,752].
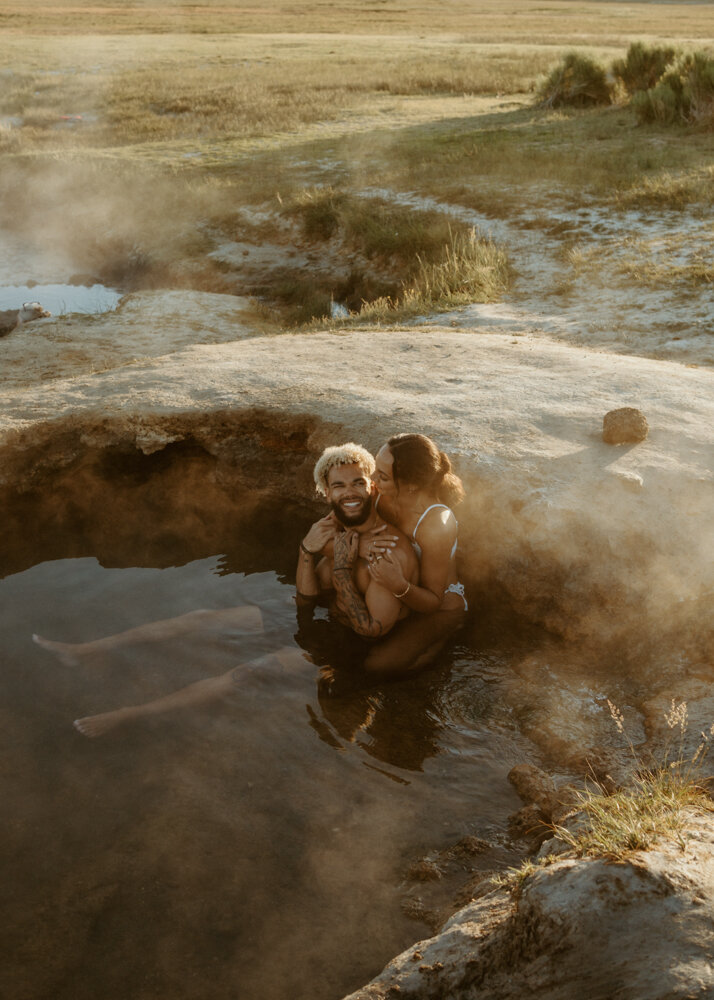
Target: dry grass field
[487,20]
[141,135]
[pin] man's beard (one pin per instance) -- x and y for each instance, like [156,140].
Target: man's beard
[356,519]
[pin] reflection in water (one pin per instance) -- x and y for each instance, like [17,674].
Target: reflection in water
[396,724]
[252,848]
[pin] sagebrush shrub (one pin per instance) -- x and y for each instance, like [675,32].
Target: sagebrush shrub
[684,93]
[643,66]
[577,82]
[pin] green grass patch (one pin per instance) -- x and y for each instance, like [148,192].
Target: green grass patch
[654,274]
[371,226]
[426,262]
[518,159]
[636,818]
[667,190]
[471,270]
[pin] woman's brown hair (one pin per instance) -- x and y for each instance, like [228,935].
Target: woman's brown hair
[418,462]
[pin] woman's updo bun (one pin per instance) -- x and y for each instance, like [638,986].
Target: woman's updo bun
[418,462]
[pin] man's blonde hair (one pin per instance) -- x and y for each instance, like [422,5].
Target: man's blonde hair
[341,454]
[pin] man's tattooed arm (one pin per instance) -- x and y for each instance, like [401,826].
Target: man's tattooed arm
[307,577]
[372,615]
[353,605]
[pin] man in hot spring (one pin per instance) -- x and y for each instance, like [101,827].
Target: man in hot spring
[334,554]
[332,562]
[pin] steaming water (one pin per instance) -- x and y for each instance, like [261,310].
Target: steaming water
[29,273]
[253,848]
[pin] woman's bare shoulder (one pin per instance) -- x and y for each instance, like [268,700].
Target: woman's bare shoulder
[438,525]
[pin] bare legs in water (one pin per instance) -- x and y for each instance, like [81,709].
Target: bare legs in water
[192,696]
[404,651]
[247,618]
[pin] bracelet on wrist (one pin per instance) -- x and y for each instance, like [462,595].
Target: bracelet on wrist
[306,550]
[404,593]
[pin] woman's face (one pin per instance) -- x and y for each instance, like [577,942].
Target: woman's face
[383,477]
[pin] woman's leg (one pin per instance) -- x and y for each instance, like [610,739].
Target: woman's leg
[247,618]
[413,643]
[192,696]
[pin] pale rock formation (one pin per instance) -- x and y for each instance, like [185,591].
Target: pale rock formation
[10,319]
[637,930]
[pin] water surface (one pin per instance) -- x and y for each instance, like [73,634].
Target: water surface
[30,272]
[253,848]
[61,299]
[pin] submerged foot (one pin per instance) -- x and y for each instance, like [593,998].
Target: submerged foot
[65,651]
[97,725]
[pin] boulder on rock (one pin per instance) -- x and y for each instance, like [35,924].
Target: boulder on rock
[624,426]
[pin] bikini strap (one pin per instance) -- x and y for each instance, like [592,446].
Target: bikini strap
[424,513]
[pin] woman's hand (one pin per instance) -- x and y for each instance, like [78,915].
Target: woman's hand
[320,534]
[375,543]
[385,570]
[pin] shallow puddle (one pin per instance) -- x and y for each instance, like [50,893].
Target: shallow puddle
[32,273]
[254,847]
[61,299]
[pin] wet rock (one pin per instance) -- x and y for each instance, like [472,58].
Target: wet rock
[536,787]
[600,767]
[424,870]
[469,846]
[529,824]
[624,426]
[532,784]
[445,880]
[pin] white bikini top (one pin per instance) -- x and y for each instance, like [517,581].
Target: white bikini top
[415,543]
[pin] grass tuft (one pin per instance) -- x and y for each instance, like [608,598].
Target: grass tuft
[668,191]
[657,805]
[515,878]
[653,807]
[472,269]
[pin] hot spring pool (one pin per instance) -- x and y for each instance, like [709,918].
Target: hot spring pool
[256,847]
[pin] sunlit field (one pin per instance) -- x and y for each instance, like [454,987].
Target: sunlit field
[488,20]
[158,123]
